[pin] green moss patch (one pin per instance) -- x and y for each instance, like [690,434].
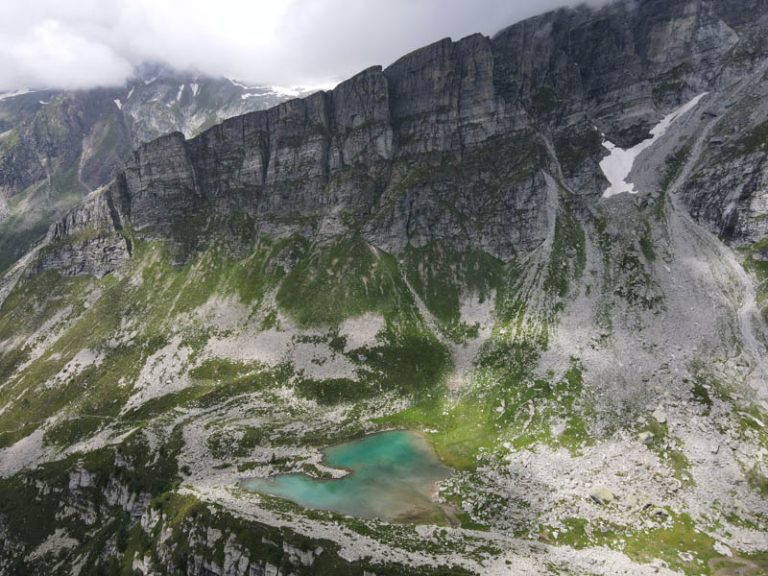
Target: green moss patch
[341,280]
[441,276]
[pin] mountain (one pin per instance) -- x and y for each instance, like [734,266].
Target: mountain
[545,252]
[56,146]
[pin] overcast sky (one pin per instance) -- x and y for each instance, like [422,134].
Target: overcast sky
[84,43]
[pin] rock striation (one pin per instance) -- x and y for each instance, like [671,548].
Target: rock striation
[453,142]
[56,146]
[434,234]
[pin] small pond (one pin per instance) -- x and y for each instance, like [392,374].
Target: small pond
[392,477]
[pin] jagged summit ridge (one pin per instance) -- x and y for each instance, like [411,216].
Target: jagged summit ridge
[427,247]
[57,146]
[343,161]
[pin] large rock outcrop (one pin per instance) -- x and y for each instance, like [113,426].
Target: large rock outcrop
[56,146]
[453,142]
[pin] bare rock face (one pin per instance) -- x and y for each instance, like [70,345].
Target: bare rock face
[619,65]
[453,142]
[737,199]
[620,328]
[86,241]
[57,146]
[729,187]
[94,131]
[92,257]
[443,97]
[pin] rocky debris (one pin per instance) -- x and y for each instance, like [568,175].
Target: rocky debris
[164,372]
[603,496]
[721,548]
[54,544]
[686,557]
[659,514]
[646,438]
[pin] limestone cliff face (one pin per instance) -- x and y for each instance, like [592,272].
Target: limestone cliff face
[620,331]
[454,142]
[618,65]
[93,131]
[57,146]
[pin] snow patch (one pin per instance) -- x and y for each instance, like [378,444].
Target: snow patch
[297,91]
[617,166]
[130,93]
[118,103]
[195,89]
[9,95]
[284,91]
[180,92]
[238,84]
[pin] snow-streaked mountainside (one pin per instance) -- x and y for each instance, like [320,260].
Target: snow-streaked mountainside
[618,165]
[56,146]
[545,252]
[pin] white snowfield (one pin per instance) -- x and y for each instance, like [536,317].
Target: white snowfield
[286,91]
[617,166]
[8,95]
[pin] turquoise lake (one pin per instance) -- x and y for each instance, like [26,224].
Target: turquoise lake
[392,477]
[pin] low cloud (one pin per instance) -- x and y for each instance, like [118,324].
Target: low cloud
[86,43]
